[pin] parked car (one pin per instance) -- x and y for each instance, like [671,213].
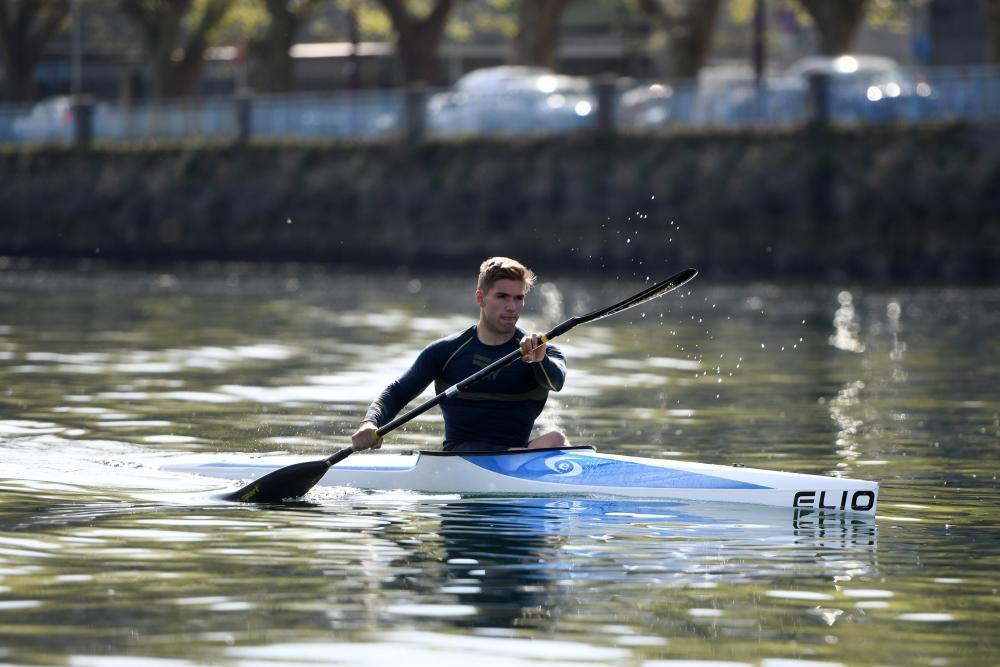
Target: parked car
[867,87]
[512,100]
[862,88]
[48,120]
[721,95]
[650,105]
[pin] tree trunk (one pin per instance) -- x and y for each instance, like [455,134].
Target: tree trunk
[275,71]
[693,41]
[537,40]
[188,70]
[417,39]
[25,29]
[991,11]
[159,22]
[158,25]
[690,26]
[837,23]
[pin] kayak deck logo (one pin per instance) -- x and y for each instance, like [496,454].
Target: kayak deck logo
[861,501]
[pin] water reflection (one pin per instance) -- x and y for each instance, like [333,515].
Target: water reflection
[501,559]
[102,555]
[848,426]
[526,562]
[847,325]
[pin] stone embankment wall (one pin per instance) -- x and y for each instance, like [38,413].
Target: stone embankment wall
[877,205]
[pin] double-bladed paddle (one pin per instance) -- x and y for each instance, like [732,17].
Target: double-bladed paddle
[295,480]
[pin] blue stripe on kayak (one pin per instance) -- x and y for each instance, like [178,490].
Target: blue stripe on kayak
[581,470]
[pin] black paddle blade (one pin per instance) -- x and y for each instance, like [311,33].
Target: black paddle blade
[288,482]
[650,293]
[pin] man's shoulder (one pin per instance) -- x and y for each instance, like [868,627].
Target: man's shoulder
[441,352]
[453,341]
[458,337]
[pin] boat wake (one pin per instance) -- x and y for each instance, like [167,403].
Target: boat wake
[92,467]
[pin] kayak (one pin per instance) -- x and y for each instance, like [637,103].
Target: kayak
[562,471]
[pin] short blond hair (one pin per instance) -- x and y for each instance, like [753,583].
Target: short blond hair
[503,268]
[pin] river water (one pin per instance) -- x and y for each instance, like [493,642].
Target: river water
[106,560]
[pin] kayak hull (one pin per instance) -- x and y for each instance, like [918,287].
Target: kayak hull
[575,471]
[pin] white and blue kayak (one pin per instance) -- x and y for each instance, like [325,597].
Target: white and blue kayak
[574,471]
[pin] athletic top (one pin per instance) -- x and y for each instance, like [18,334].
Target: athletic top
[498,412]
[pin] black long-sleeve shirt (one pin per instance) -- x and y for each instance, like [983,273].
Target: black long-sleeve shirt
[498,412]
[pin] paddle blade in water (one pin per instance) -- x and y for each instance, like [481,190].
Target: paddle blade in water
[289,482]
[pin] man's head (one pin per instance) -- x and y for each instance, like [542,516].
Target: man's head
[503,268]
[503,283]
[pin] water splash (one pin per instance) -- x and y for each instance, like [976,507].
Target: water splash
[847,326]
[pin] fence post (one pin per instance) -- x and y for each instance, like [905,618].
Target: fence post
[242,110]
[822,172]
[415,112]
[818,101]
[605,89]
[82,110]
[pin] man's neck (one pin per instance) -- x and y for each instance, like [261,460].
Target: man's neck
[489,337]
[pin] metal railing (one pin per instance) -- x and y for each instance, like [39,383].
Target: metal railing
[605,106]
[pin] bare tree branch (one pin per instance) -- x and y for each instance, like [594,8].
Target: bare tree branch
[836,22]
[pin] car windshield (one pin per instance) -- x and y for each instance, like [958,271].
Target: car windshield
[847,65]
[519,79]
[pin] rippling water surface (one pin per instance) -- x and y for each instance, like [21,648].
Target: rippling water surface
[106,559]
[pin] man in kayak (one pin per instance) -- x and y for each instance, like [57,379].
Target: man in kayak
[498,412]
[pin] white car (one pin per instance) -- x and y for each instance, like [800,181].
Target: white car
[867,87]
[512,99]
[49,120]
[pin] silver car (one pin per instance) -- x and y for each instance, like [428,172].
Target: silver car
[512,100]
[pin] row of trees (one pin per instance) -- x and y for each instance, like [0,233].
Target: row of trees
[174,34]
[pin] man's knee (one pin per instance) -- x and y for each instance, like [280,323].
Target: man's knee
[550,439]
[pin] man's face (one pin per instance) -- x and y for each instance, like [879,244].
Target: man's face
[500,306]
